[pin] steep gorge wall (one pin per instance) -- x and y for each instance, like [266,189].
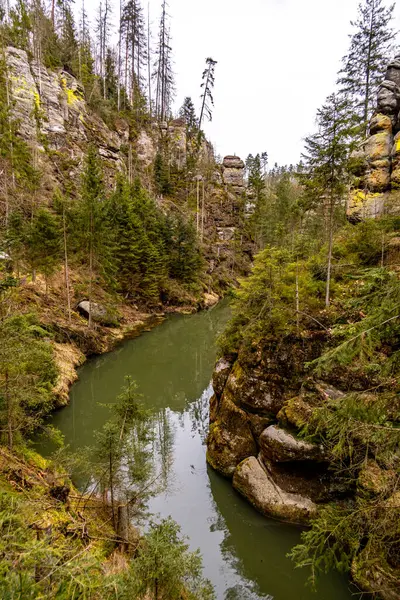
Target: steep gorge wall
[58,124]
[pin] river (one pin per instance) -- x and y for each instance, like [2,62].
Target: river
[244,554]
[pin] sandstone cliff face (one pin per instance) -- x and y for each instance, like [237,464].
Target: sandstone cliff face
[54,119]
[377,162]
[58,124]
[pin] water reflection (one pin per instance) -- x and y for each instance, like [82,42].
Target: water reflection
[244,554]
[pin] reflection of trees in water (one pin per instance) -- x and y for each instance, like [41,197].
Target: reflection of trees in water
[164,445]
[241,592]
[199,413]
[229,523]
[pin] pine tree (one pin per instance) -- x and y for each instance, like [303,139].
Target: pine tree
[207,100]
[68,40]
[364,66]
[103,30]
[44,243]
[133,36]
[324,176]
[165,568]
[110,78]
[163,73]
[92,235]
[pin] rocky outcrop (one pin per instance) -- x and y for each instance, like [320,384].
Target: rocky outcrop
[255,484]
[254,411]
[280,446]
[377,162]
[230,439]
[233,172]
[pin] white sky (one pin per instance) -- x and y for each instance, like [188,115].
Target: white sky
[277,62]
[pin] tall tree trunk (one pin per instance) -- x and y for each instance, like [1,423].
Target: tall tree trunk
[367,79]
[149,57]
[111,473]
[66,270]
[9,412]
[202,213]
[198,206]
[90,269]
[297,298]
[328,274]
[119,57]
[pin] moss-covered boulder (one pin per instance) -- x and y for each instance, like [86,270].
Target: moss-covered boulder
[252,392]
[230,439]
[253,482]
[281,446]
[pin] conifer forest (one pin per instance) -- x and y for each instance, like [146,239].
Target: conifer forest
[199,354]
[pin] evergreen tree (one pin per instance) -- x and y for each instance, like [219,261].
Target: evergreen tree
[27,376]
[133,36]
[364,66]
[207,100]
[188,114]
[92,235]
[44,243]
[164,567]
[110,78]
[163,73]
[324,176]
[68,39]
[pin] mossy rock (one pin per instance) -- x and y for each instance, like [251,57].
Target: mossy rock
[230,439]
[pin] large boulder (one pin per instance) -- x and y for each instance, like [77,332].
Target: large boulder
[100,314]
[393,71]
[378,177]
[366,205]
[253,482]
[230,439]
[281,446]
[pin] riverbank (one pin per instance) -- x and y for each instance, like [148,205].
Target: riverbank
[172,366]
[73,341]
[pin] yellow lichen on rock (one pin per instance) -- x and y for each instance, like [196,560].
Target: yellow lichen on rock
[380,122]
[378,179]
[378,146]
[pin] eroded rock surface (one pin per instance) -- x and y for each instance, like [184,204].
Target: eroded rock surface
[254,483]
[378,159]
[280,446]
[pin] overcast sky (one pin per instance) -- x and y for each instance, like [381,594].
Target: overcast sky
[277,62]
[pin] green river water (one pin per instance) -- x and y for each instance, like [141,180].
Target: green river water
[244,553]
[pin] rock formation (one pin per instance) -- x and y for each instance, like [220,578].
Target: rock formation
[377,163]
[256,409]
[233,173]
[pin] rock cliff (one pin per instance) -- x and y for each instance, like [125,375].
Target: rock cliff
[58,124]
[376,164]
